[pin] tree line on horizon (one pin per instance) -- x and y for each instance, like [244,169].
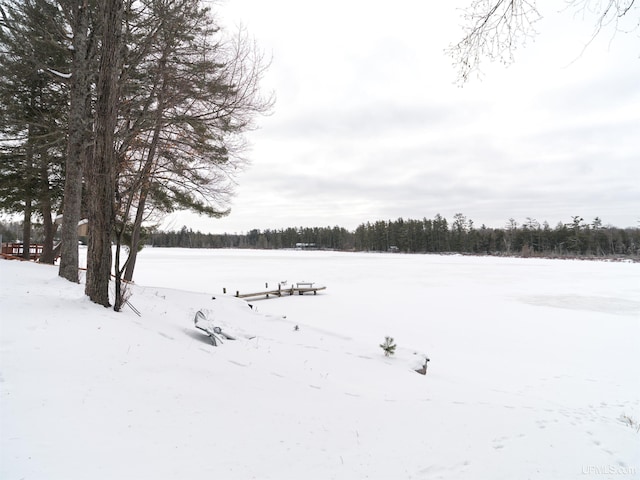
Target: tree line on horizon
[437,235]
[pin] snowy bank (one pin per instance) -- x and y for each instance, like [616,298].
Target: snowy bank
[527,380]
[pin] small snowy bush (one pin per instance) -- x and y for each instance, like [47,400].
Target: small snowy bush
[628,420]
[388,346]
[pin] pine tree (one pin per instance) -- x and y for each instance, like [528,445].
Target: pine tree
[388,346]
[33,99]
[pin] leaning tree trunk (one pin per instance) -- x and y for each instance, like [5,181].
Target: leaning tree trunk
[146,174]
[144,192]
[135,240]
[77,144]
[101,175]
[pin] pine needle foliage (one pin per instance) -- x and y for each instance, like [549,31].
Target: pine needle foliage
[389,346]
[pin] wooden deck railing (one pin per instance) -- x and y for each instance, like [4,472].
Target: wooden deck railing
[17,250]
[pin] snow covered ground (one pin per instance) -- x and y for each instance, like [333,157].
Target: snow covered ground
[534,372]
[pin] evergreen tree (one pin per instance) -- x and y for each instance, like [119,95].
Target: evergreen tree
[32,114]
[389,347]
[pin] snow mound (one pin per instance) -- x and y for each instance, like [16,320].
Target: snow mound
[90,393]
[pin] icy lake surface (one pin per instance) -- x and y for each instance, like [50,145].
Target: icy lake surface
[407,295]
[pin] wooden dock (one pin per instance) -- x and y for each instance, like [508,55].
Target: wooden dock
[300,288]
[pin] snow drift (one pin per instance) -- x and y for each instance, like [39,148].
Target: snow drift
[533,374]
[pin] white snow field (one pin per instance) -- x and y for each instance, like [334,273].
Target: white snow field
[534,371]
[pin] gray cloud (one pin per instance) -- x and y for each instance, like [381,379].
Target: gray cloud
[361,121]
[368,125]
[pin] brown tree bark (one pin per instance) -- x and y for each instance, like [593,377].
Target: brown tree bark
[101,173]
[77,144]
[26,230]
[47,256]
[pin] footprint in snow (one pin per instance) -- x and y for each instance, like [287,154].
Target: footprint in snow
[499,442]
[238,363]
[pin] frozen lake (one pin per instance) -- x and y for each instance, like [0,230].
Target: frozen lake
[425,301]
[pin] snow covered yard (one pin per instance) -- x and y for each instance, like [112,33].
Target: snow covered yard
[534,367]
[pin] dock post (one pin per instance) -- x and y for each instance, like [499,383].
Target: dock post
[237,293]
[224,289]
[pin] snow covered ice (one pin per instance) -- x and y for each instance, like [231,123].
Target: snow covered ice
[534,370]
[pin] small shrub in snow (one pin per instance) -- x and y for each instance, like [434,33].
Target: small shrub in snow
[628,420]
[388,346]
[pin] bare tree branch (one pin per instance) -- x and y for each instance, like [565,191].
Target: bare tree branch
[495,29]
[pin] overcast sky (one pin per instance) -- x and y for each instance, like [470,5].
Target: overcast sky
[369,123]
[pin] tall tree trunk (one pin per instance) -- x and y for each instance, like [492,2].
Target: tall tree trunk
[101,175]
[44,193]
[49,230]
[28,201]
[26,230]
[77,144]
